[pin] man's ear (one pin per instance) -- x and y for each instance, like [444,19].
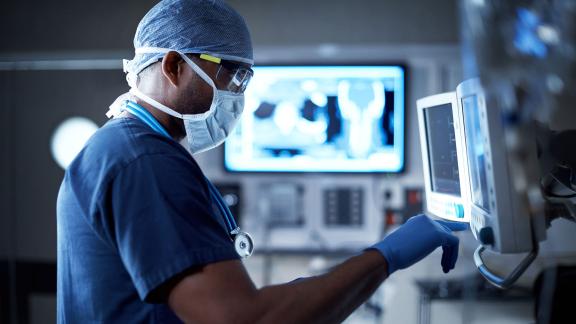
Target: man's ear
[171,67]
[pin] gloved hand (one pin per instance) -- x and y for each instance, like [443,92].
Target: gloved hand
[417,238]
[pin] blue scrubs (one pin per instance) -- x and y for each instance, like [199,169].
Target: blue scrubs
[134,211]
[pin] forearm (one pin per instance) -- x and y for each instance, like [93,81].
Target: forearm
[328,298]
[222,292]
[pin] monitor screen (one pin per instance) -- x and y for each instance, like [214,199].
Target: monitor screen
[321,119]
[476,153]
[442,154]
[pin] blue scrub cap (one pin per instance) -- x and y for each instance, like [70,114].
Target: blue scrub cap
[191,26]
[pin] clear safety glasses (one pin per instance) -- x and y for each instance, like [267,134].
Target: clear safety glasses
[234,75]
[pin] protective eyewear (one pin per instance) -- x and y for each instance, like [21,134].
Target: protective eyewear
[235,76]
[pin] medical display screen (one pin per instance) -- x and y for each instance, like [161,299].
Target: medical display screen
[320,119]
[476,153]
[441,145]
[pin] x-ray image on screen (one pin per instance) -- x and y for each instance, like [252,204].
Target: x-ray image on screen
[443,159]
[321,118]
[476,153]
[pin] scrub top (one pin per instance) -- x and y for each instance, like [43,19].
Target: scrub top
[134,215]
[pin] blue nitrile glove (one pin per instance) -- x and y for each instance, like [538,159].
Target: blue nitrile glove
[417,238]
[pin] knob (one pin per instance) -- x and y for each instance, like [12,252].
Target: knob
[486,236]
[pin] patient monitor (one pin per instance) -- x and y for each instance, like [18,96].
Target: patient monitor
[442,145]
[468,175]
[498,216]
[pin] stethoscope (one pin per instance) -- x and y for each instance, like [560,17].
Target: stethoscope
[243,243]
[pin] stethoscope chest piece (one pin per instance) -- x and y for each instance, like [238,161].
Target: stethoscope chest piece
[244,244]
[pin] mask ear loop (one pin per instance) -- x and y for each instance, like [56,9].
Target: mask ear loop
[198,70]
[208,80]
[194,66]
[132,82]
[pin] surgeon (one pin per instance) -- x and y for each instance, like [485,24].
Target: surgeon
[143,236]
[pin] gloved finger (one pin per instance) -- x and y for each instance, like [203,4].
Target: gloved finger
[445,258]
[450,253]
[454,226]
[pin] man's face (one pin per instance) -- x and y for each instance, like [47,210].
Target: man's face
[196,95]
[193,95]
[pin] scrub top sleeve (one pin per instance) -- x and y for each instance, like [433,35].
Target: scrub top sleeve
[163,221]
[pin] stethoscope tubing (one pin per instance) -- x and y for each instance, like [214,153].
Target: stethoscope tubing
[149,120]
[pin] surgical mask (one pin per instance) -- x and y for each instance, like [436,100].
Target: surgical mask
[206,130]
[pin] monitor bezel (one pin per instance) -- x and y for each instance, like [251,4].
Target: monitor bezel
[402,168]
[436,202]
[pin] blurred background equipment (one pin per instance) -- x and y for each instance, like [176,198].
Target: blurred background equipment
[321,118]
[524,54]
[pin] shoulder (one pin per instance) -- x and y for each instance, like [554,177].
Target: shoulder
[127,141]
[130,138]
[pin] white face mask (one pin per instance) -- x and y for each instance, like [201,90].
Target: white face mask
[207,130]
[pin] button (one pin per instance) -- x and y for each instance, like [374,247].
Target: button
[459,210]
[486,236]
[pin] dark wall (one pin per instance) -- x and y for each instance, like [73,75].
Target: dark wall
[57,95]
[69,25]
[282,22]
[35,26]
[5,167]
[39,101]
